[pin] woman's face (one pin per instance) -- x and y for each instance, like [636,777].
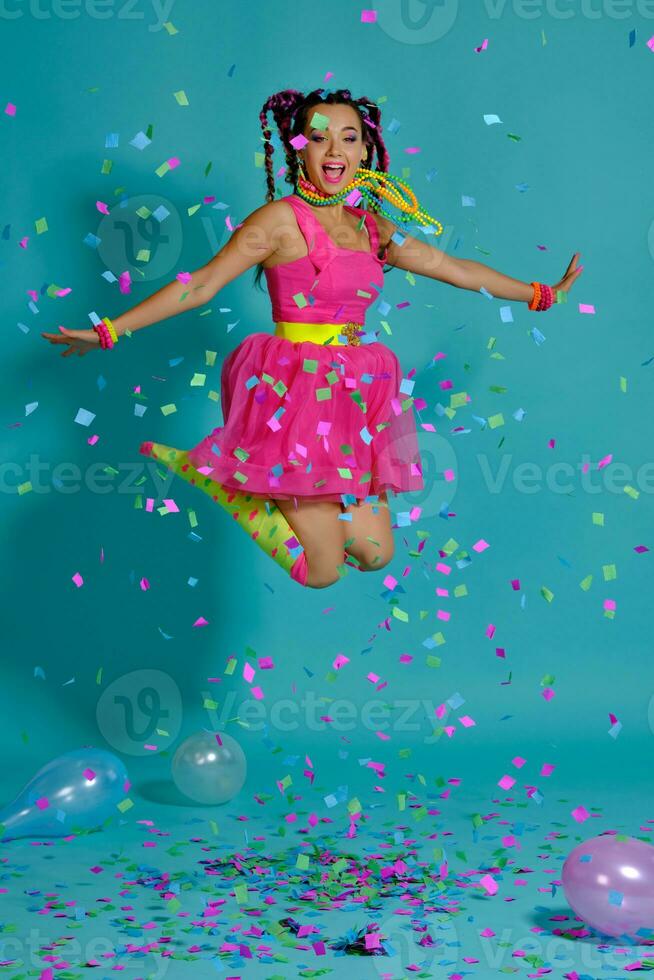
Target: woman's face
[340,143]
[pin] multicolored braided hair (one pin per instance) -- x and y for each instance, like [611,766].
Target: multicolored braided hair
[292,110]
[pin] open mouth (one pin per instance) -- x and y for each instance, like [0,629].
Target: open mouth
[333,172]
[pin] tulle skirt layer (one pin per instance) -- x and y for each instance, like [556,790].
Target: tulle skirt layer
[302,419]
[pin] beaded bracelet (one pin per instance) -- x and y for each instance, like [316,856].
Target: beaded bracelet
[106,332]
[542,298]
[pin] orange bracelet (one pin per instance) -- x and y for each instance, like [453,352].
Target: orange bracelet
[535,300]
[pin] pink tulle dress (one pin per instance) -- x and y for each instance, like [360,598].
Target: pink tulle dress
[305,419]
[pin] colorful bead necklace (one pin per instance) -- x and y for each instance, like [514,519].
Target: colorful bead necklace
[374,186]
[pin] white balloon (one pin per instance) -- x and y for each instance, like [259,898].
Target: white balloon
[209,767]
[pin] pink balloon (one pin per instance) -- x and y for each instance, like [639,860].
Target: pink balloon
[609,884]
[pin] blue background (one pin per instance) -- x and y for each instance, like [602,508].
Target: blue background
[573,88]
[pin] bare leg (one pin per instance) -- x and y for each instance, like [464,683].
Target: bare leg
[369,537]
[319,531]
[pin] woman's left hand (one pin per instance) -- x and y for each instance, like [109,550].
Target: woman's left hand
[571,275]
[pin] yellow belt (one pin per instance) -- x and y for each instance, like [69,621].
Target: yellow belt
[320,333]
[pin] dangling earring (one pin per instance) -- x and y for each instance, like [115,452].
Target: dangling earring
[302,173]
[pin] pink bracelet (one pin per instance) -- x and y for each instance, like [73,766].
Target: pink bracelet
[543,297]
[106,332]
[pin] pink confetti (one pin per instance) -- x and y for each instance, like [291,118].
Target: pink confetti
[506,782]
[10,109]
[368,16]
[89,774]
[171,506]
[248,673]
[78,580]
[489,883]
[482,46]
[480,545]
[340,660]
[102,207]
[586,308]
[184,277]
[201,622]
[580,814]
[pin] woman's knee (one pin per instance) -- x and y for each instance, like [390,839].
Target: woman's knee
[319,580]
[373,558]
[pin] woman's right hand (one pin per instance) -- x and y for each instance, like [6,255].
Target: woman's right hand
[80,341]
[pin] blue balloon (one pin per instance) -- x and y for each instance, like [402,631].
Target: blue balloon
[76,791]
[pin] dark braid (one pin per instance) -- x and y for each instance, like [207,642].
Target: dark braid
[282,105]
[291,112]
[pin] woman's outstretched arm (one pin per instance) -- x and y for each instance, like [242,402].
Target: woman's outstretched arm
[427,260]
[252,242]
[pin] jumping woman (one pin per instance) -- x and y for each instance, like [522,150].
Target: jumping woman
[317,427]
